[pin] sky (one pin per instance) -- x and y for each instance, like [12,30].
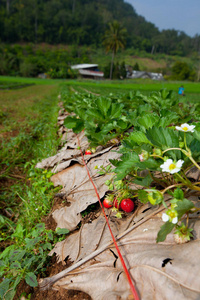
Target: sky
[183,15]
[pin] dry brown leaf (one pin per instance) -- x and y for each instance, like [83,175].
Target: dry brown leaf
[66,163]
[80,193]
[79,189]
[68,153]
[161,271]
[193,173]
[82,243]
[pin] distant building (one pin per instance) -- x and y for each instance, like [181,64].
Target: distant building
[88,71]
[143,74]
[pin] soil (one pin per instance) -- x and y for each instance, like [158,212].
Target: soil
[62,294]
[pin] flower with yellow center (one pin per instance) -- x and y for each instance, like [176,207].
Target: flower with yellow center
[186,128]
[171,215]
[172,167]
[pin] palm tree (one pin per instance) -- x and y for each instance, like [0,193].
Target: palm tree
[114,38]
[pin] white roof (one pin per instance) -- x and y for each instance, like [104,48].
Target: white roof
[84,66]
[91,73]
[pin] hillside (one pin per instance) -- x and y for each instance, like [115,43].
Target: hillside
[83,22]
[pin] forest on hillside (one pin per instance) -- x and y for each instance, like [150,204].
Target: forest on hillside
[83,22]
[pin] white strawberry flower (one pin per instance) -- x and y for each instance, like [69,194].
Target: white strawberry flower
[186,128]
[172,167]
[170,215]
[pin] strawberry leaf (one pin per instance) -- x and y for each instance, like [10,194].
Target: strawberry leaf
[166,228]
[183,206]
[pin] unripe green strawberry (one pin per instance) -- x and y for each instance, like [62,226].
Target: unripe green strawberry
[181,144]
[157,151]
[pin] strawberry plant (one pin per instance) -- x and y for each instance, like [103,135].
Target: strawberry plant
[157,153]
[102,121]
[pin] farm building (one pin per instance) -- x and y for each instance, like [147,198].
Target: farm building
[88,71]
[143,74]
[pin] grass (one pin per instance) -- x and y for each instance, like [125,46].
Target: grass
[23,80]
[28,133]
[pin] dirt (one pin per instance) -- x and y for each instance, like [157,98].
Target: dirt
[62,294]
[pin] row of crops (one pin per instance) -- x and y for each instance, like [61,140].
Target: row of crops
[159,138]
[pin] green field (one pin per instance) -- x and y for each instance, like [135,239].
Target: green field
[192,89]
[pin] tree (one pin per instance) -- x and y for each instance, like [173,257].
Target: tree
[136,67]
[182,71]
[114,38]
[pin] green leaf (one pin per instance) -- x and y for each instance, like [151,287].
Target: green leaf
[19,232]
[47,246]
[165,229]
[126,165]
[40,227]
[70,122]
[139,137]
[28,261]
[195,146]
[50,235]
[17,255]
[15,265]
[183,206]
[8,291]
[7,251]
[95,115]
[163,137]
[30,243]
[149,164]
[196,134]
[103,105]
[164,93]
[144,108]
[178,194]
[143,196]
[123,125]
[31,279]
[148,120]
[116,110]
[146,181]
[73,123]
[62,231]
[9,294]
[4,286]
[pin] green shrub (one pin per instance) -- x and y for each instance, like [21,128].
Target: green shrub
[27,69]
[119,71]
[182,71]
[136,67]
